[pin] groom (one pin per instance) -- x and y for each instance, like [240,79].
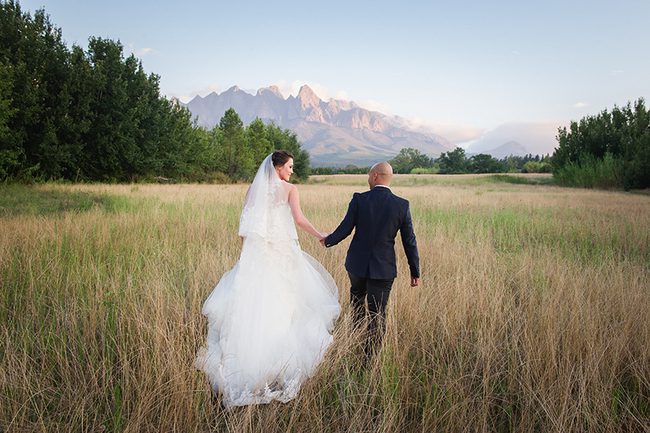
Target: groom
[376,216]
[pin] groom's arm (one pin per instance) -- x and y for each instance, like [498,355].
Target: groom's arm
[410,245]
[345,228]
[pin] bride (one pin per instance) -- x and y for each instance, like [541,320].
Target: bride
[269,317]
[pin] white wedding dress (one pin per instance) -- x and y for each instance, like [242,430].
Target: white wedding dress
[270,317]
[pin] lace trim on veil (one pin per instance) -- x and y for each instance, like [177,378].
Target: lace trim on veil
[265,195]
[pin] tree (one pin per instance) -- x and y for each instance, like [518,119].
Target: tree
[401,163]
[483,163]
[215,141]
[96,115]
[409,159]
[322,170]
[419,160]
[623,134]
[536,167]
[353,169]
[453,162]
[35,57]
[513,164]
[233,145]
[10,154]
[258,143]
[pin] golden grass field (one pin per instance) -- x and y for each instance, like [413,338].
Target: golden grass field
[532,316]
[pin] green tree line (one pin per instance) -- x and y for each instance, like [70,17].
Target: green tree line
[456,162]
[611,149]
[239,150]
[411,161]
[94,115]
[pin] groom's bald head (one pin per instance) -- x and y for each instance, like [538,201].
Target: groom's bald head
[380,174]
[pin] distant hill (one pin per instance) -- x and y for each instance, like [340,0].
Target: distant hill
[336,133]
[510,148]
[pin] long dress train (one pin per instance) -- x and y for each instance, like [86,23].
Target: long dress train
[270,317]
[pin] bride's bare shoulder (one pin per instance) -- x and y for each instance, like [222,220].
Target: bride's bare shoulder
[288,187]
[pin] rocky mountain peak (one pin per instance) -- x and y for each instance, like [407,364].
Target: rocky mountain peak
[505,150]
[308,98]
[335,132]
[271,89]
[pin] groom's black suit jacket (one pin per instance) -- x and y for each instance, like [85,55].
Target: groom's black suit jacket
[377,215]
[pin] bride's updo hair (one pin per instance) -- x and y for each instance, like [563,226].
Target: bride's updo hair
[280,157]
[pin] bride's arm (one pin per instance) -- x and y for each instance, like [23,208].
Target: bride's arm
[248,191]
[298,217]
[245,202]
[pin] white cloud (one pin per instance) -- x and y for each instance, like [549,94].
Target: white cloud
[581,105]
[342,95]
[538,137]
[617,72]
[143,51]
[454,132]
[375,106]
[285,89]
[140,52]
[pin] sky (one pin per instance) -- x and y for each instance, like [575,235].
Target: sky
[478,73]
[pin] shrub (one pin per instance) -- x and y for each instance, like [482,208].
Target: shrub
[422,170]
[592,172]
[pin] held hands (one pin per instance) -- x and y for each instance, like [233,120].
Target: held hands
[322,237]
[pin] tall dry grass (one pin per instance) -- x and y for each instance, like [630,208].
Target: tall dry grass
[532,314]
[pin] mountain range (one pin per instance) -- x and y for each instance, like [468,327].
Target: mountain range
[336,133]
[511,148]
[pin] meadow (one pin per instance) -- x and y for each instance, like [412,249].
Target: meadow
[532,316]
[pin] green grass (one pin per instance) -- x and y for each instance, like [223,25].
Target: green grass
[517,229]
[407,180]
[16,200]
[521,180]
[531,315]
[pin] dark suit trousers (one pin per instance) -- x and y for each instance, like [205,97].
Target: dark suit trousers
[376,292]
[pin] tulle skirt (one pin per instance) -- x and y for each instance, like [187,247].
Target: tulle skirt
[269,323]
